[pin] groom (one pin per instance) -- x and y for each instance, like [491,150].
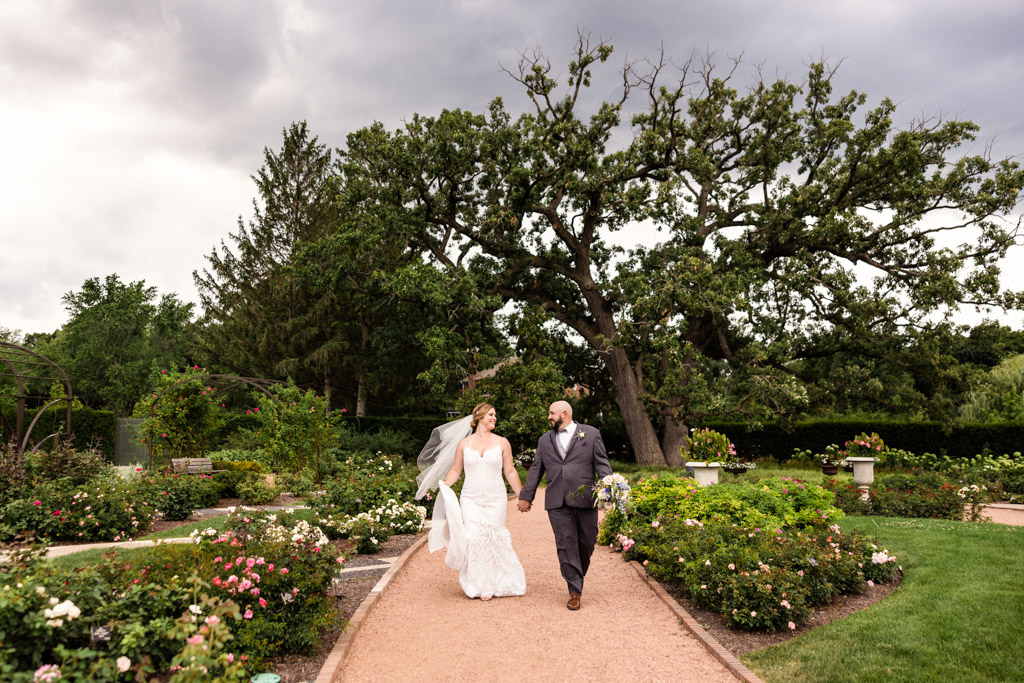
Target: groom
[574,457]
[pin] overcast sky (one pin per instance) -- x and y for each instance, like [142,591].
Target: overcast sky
[129,128]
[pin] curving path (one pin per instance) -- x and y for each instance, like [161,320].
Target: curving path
[424,628]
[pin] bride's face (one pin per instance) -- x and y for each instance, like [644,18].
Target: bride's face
[490,419]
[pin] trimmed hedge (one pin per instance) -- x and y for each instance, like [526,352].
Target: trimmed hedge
[418,428]
[776,441]
[87,425]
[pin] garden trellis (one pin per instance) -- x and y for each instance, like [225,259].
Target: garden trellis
[27,367]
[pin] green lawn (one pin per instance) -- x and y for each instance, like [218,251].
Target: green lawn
[957,616]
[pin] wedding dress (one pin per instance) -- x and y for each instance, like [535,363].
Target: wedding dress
[473,529]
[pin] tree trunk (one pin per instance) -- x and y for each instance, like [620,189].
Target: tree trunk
[638,424]
[361,394]
[672,442]
[328,389]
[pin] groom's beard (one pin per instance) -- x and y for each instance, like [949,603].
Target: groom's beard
[556,424]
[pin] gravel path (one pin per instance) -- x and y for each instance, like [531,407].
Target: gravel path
[424,628]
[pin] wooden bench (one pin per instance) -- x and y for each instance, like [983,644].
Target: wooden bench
[193,466]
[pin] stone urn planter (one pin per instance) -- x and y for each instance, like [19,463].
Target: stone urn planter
[863,474]
[704,472]
[735,470]
[830,470]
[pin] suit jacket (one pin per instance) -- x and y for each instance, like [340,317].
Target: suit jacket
[585,461]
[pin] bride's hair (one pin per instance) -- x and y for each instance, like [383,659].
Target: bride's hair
[478,414]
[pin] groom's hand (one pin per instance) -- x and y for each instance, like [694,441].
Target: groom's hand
[525,505]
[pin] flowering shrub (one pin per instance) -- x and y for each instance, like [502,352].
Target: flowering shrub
[707,445]
[525,457]
[927,495]
[364,481]
[177,496]
[775,503]
[46,616]
[105,509]
[64,461]
[179,415]
[254,490]
[371,528]
[759,579]
[864,446]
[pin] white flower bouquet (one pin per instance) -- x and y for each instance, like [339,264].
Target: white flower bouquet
[612,492]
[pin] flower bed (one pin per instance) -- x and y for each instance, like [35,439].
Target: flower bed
[762,554]
[230,599]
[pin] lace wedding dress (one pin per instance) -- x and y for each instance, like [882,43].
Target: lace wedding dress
[478,543]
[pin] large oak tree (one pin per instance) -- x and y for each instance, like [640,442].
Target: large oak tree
[773,204]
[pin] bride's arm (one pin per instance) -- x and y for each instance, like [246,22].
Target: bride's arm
[509,465]
[456,470]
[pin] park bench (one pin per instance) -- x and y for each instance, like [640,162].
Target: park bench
[193,466]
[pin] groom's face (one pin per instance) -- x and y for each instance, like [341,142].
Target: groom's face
[556,418]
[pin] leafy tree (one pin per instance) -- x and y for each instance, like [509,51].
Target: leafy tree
[295,427]
[117,335]
[998,395]
[259,318]
[774,204]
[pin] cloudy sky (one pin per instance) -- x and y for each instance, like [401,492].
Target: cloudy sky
[129,128]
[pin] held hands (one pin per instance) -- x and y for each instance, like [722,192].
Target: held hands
[525,505]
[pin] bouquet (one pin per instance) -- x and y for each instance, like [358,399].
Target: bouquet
[612,492]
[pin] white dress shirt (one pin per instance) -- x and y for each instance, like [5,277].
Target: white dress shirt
[564,435]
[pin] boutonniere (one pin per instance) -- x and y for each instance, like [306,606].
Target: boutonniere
[581,435]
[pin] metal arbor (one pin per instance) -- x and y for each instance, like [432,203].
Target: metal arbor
[215,379]
[25,366]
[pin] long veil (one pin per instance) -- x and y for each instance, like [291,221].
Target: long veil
[437,456]
[434,461]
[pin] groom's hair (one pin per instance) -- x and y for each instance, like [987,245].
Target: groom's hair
[478,413]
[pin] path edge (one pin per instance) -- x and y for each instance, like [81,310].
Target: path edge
[727,658]
[330,672]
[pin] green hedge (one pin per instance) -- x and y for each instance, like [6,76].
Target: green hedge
[418,428]
[228,425]
[773,440]
[87,425]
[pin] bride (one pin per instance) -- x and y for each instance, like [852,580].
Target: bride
[472,527]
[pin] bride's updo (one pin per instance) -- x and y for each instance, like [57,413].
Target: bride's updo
[478,413]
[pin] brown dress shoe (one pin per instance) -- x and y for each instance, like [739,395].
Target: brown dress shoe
[574,601]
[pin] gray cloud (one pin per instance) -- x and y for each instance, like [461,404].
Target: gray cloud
[129,130]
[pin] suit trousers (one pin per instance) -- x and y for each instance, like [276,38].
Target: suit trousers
[575,534]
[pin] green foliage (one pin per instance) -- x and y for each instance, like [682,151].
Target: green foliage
[296,428]
[759,579]
[90,429]
[102,509]
[381,439]
[178,415]
[254,490]
[65,462]
[231,456]
[417,429]
[999,395]
[707,445]
[117,334]
[177,496]
[363,480]
[708,320]
[930,495]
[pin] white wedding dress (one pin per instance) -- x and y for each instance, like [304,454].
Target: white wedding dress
[478,543]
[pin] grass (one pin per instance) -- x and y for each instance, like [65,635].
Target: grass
[957,616]
[85,557]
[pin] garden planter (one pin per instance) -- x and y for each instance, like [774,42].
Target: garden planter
[735,470]
[863,474]
[848,468]
[704,472]
[830,470]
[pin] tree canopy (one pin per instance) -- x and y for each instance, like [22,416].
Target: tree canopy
[790,218]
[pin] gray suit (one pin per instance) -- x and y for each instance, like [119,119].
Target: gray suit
[573,514]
